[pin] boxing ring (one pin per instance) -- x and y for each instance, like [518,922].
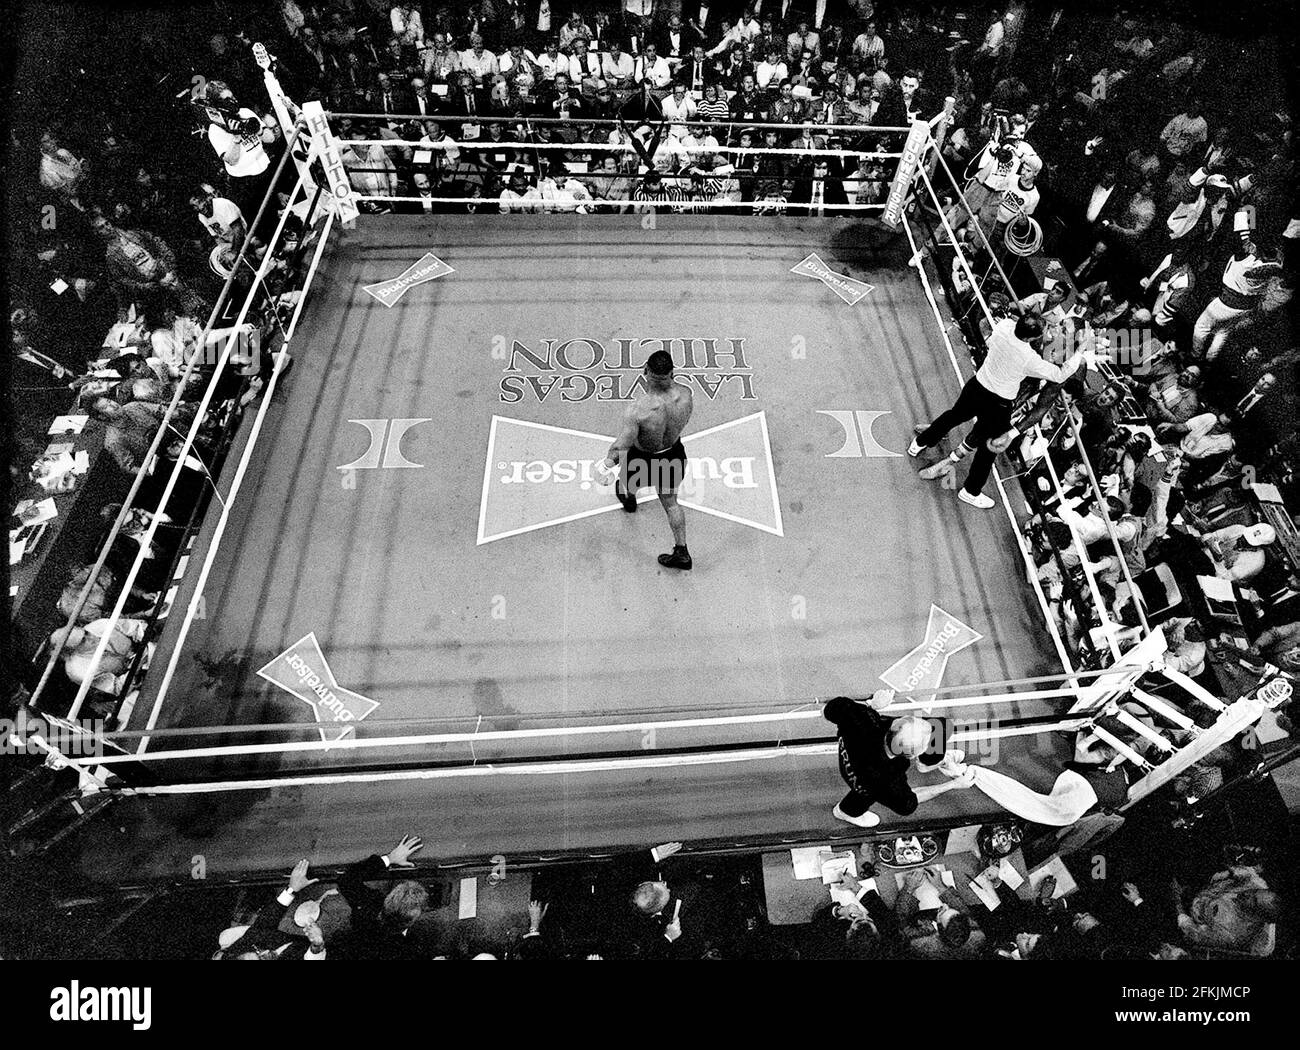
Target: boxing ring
[412,606]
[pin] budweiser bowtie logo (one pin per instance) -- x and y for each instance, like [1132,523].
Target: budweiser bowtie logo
[850,289]
[538,475]
[428,268]
[923,667]
[301,670]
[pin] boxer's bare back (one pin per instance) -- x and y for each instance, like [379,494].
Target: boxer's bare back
[659,417]
[652,428]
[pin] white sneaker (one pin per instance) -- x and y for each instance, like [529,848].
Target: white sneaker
[915,448]
[979,500]
[867,820]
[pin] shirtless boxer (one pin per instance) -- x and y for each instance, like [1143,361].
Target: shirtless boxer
[649,450]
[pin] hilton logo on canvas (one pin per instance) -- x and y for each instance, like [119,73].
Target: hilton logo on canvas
[538,475]
[583,369]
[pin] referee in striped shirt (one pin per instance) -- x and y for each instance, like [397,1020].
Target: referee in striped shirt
[653,190]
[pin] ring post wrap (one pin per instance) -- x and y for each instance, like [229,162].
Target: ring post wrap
[326,147]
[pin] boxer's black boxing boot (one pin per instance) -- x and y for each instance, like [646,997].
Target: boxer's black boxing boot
[625,498]
[679,559]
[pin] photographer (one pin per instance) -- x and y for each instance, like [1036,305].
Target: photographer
[996,168]
[235,133]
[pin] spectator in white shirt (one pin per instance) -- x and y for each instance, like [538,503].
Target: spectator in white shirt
[585,65]
[1240,550]
[701,144]
[653,67]
[995,36]
[748,27]
[408,27]
[868,47]
[441,63]
[479,61]
[618,67]
[61,171]
[517,62]
[679,108]
[558,191]
[518,195]
[574,28]
[731,38]
[801,40]
[550,61]
[771,71]
[373,172]
[219,216]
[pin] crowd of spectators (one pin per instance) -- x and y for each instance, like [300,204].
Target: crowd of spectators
[111,296]
[1157,478]
[655,109]
[662,904]
[1170,253]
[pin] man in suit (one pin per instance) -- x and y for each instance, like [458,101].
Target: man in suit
[391,98]
[381,923]
[624,908]
[865,928]
[675,41]
[804,38]
[421,101]
[643,107]
[817,191]
[467,100]
[749,105]
[653,923]
[562,101]
[264,940]
[696,71]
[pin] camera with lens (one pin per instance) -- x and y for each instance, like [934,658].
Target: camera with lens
[226,111]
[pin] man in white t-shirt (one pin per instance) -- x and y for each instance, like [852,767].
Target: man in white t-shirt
[1021,197]
[220,217]
[998,165]
[235,134]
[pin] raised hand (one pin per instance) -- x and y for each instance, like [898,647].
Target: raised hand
[400,855]
[298,880]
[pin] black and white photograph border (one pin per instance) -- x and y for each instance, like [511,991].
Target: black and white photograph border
[628,480]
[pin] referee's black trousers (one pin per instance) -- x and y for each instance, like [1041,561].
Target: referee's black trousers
[992,415]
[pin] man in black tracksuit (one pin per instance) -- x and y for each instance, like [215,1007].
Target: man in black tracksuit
[875,752]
